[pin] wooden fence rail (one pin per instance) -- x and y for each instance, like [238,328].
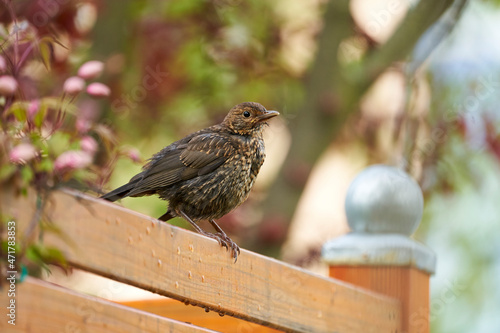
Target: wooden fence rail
[45,307]
[126,246]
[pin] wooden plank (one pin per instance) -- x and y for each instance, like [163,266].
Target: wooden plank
[46,308]
[408,284]
[129,247]
[195,315]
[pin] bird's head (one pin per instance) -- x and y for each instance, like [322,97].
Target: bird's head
[247,118]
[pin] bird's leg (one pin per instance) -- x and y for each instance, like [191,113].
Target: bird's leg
[220,236]
[167,216]
[234,247]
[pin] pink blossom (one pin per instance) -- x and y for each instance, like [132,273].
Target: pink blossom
[33,108]
[134,155]
[89,109]
[8,85]
[91,69]
[72,160]
[87,114]
[3,64]
[83,125]
[22,153]
[97,89]
[88,144]
[73,85]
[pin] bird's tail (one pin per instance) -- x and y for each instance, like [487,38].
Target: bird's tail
[119,193]
[122,191]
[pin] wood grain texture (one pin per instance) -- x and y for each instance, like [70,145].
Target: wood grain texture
[408,284]
[46,308]
[126,246]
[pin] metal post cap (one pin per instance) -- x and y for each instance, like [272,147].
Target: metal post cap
[384,199]
[384,206]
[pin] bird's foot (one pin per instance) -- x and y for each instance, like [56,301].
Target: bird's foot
[229,244]
[226,242]
[220,236]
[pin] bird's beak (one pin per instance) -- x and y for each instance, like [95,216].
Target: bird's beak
[267,115]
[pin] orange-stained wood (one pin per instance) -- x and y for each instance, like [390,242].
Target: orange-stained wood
[42,307]
[408,284]
[126,246]
[197,316]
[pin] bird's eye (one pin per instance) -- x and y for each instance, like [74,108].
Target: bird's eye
[246,114]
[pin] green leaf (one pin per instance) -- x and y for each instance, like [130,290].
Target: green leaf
[33,254]
[43,256]
[53,255]
[26,174]
[45,52]
[58,143]
[18,109]
[46,165]
[40,116]
[58,42]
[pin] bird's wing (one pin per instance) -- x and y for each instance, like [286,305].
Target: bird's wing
[199,155]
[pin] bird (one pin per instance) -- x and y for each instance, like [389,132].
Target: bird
[208,173]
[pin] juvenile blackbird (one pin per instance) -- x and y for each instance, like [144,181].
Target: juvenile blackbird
[208,173]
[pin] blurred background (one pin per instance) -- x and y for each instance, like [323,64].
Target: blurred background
[415,84]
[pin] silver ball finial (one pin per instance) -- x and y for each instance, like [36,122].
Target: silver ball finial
[384,199]
[383,206]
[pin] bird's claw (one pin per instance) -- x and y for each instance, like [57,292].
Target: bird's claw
[228,243]
[221,239]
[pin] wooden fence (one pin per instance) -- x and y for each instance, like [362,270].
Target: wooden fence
[256,294]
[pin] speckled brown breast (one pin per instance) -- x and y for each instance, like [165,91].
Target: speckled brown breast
[214,195]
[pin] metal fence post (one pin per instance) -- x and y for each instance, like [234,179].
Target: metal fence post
[384,207]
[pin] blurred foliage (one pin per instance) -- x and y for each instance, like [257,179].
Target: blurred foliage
[179,66]
[50,129]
